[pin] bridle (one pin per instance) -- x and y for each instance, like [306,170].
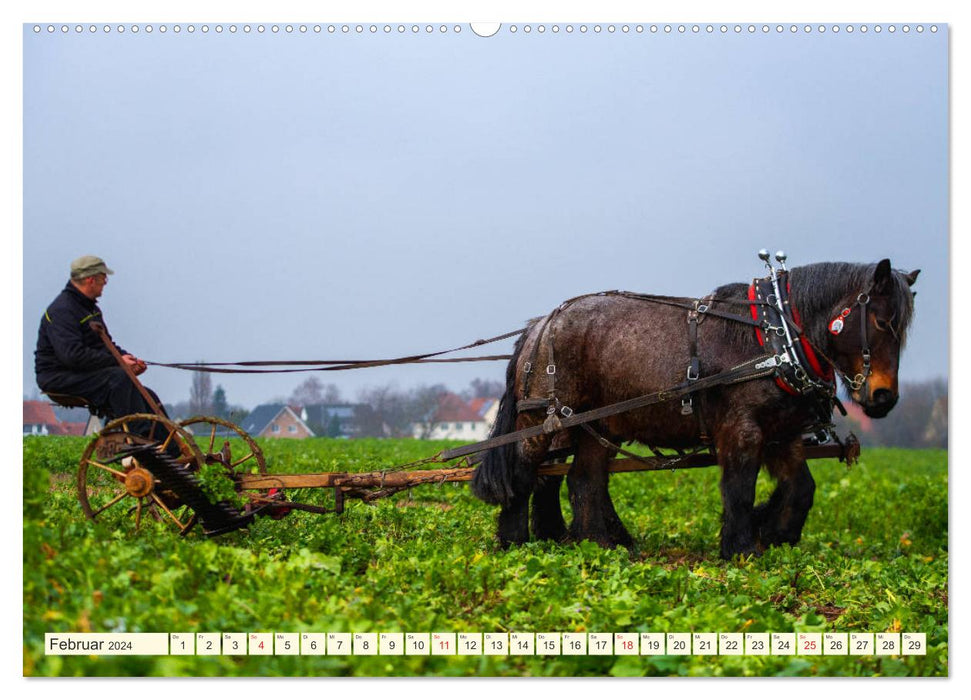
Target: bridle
[857,382]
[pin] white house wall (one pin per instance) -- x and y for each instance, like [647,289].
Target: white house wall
[470,431]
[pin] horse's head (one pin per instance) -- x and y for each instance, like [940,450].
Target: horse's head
[867,332]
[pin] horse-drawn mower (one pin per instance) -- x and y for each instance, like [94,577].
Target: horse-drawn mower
[128,472]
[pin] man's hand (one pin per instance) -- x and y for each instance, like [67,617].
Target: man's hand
[137,366]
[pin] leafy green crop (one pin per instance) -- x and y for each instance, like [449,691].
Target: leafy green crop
[874,557]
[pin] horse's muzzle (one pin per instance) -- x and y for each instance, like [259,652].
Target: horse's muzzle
[880,403]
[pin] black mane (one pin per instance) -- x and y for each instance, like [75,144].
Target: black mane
[818,289]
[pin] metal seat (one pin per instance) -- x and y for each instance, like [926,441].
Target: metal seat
[68,401]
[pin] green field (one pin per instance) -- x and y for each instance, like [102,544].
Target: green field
[874,558]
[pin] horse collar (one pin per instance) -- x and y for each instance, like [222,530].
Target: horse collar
[799,370]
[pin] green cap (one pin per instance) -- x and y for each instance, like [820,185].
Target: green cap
[88,266]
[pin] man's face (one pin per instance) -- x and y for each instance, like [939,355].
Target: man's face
[93,286]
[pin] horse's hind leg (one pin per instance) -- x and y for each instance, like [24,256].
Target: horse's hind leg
[594,517]
[780,519]
[547,518]
[513,525]
[740,457]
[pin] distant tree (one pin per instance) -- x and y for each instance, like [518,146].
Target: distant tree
[312,391]
[423,404]
[332,394]
[484,389]
[393,412]
[914,422]
[308,392]
[178,410]
[237,414]
[334,426]
[387,417]
[919,420]
[220,407]
[200,394]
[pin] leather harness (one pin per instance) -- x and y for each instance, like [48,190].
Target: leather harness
[791,359]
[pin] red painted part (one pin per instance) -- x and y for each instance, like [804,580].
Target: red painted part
[755,314]
[277,512]
[814,363]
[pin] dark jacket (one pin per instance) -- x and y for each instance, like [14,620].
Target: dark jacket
[66,342]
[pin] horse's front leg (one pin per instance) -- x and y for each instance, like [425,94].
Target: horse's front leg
[740,456]
[513,524]
[780,519]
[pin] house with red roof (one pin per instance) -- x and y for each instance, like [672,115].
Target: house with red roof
[40,419]
[456,419]
[488,408]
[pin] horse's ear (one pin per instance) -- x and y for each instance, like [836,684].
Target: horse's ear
[911,277]
[883,277]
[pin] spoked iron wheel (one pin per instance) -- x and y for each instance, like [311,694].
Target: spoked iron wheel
[122,491]
[212,436]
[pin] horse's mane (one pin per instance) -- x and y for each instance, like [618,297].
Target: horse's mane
[818,289]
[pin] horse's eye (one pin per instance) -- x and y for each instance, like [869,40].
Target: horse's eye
[884,326]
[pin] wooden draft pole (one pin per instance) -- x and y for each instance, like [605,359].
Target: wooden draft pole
[396,479]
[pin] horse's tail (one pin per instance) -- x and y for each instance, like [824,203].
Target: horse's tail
[497,479]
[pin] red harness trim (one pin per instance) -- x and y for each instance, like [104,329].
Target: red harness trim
[817,367]
[755,314]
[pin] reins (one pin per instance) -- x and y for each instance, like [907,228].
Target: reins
[338,365]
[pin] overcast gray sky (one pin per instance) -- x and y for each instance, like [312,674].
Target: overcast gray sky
[330,196]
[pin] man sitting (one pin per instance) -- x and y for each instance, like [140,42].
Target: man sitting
[71,357]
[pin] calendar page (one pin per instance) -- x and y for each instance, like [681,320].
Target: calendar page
[580,207]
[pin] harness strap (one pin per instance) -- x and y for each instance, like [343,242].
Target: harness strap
[695,319]
[604,442]
[684,303]
[756,368]
[694,364]
[864,300]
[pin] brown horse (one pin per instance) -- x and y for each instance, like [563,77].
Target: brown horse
[601,349]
